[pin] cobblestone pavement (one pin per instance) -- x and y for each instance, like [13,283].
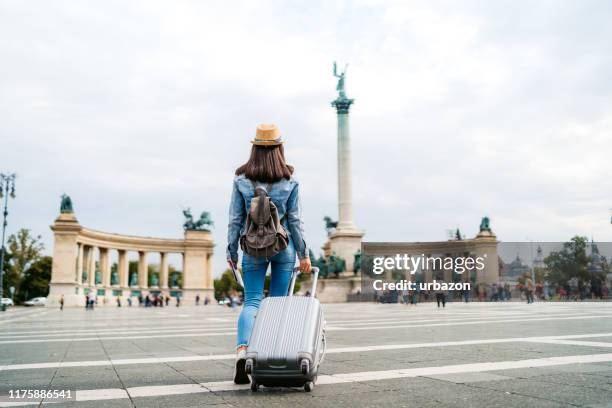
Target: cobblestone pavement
[466,355]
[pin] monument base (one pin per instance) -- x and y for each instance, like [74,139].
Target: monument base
[336,290]
[69,290]
[344,243]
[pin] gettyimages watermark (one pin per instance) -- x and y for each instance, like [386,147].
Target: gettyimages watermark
[410,264]
[463,265]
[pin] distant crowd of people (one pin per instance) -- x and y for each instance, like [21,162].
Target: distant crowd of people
[148,300]
[574,289]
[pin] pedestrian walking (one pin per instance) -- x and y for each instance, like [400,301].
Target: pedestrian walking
[61,302]
[264,182]
[197,300]
[441,298]
[466,295]
[529,289]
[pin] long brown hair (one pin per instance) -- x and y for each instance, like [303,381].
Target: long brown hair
[266,164]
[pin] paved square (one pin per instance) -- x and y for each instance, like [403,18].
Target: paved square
[472,355]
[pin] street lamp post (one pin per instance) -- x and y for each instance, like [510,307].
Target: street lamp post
[7,187]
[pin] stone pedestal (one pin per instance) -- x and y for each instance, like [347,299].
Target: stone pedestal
[66,229]
[344,243]
[486,247]
[197,266]
[335,290]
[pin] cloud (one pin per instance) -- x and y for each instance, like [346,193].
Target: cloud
[463,109]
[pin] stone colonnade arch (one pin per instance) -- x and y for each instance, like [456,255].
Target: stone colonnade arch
[74,264]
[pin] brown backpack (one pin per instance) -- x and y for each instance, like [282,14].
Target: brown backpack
[264,234]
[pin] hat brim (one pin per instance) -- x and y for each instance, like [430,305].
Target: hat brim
[267,142]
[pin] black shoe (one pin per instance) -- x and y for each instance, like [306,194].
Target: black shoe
[240,375]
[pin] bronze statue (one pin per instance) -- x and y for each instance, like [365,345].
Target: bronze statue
[205,222]
[174,280]
[330,225]
[484,224]
[154,279]
[114,279]
[335,265]
[134,279]
[341,76]
[66,205]
[322,265]
[342,103]
[357,262]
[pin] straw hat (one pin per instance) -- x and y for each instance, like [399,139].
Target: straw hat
[267,135]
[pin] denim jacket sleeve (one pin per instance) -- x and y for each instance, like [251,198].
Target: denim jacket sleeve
[294,221]
[237,215]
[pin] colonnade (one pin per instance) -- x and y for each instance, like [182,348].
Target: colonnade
[86,270]
[79,253]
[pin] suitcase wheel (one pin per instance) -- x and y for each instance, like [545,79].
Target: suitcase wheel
[254,386]
[308,386]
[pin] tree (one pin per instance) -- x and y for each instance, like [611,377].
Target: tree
[24,251]
[36,279]
[225,284]
[7,280]
[570,262]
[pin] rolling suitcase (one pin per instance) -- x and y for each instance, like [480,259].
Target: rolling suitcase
[287,344]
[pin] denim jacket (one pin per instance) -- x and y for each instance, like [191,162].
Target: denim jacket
[284,194]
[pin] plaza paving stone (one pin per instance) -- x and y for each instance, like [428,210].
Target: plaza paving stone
[181,357]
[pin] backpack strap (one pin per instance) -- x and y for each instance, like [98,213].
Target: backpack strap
[268,187]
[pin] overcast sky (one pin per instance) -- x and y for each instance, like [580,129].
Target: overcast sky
[463,109]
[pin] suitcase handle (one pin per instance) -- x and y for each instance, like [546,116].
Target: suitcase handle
[315,278]
[237,276]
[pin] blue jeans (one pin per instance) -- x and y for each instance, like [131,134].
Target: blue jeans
[254,275]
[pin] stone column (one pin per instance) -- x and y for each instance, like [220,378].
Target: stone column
[345,210]
[66,230]
[91,266]
[163,270]
[346,239]
[143,271]
[122,269]
[79,265]
[209,268]
[105,267]
[85,267]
